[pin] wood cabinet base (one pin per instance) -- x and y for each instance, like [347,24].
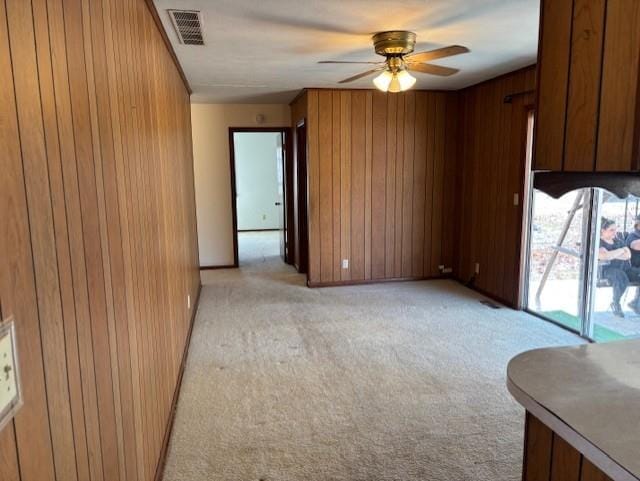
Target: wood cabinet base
[548,457]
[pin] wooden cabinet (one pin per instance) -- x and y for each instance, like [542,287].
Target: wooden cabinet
[588,108]
[548,457]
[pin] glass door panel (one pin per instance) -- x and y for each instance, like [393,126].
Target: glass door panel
[614,303]
[559,229]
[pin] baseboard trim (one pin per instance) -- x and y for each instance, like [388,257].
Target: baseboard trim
[176,393]
[315,284]
[210,268]
[259,230]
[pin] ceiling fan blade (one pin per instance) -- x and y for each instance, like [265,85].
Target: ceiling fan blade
[341,61]
[360,75]
[437,53]
[432,69]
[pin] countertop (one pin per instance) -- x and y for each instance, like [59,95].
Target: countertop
[590,396]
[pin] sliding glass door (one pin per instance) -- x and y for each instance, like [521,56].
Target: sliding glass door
[583,265]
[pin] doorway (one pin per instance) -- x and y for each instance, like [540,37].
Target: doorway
[301,258]
[260,178]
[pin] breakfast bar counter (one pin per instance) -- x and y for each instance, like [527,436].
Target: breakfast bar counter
[583,411]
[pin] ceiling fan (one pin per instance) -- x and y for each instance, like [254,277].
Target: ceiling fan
[397,48]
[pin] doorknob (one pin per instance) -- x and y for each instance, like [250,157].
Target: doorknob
[278,203]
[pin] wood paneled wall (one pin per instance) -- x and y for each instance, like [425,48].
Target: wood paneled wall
[492,171]
[98,236]
[381,177]
[589,86]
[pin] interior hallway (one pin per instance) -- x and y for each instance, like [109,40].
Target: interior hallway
[256,248]
[400,381]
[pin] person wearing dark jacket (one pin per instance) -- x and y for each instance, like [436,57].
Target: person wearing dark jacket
[617,269]
[633,242]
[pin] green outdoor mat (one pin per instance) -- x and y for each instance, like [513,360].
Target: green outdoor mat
[600,333]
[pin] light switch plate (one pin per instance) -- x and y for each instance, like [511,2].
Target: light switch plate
[10,395]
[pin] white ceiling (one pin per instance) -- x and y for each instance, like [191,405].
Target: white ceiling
[265,51]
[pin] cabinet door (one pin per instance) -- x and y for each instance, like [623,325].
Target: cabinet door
[618,134]
[584,85]
[553,74]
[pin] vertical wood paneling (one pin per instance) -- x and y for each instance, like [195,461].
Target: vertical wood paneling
[407,184]
[619,122]
[378,185]
[437,210]
[358,183]
[589,472]
[314,185]
[452,176]
[431,128]
[423,106]
[538,449]
[584,84]
[344,252]
[9,469]
[390,188]
[565,461]
[34,161]
[588,106]
[325,160]
[492,167]
[100,251]
[385,199]
[555,46]
[399,175]
[17,284]
[367,184]
[338,142]
[548,457]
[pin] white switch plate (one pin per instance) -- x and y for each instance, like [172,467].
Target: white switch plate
[345,263]
[10,396]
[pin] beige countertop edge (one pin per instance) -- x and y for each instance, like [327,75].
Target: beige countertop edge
[594,454]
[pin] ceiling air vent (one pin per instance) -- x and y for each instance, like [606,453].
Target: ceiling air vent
[188,25]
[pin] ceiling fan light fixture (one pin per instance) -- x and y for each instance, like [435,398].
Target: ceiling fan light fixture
[383,80]
[405,80]
[394,82]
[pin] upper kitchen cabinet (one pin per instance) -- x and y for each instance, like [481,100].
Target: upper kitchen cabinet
[588,107]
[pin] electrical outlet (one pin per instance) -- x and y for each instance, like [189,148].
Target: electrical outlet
[188,301]
[264,216]
[477,268]
[345,263]
[516,199]
[10,397]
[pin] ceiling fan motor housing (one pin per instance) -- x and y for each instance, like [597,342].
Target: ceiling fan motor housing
[394,42]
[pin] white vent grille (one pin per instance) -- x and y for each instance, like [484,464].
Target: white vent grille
[188,25]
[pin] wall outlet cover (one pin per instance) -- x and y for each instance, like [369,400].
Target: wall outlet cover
[10,394]
[345,263]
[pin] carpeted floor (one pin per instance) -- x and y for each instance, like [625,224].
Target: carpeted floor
[402,381]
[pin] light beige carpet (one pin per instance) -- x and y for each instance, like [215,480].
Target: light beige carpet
[400,382]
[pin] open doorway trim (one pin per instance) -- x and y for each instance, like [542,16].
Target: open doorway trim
[288,196]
